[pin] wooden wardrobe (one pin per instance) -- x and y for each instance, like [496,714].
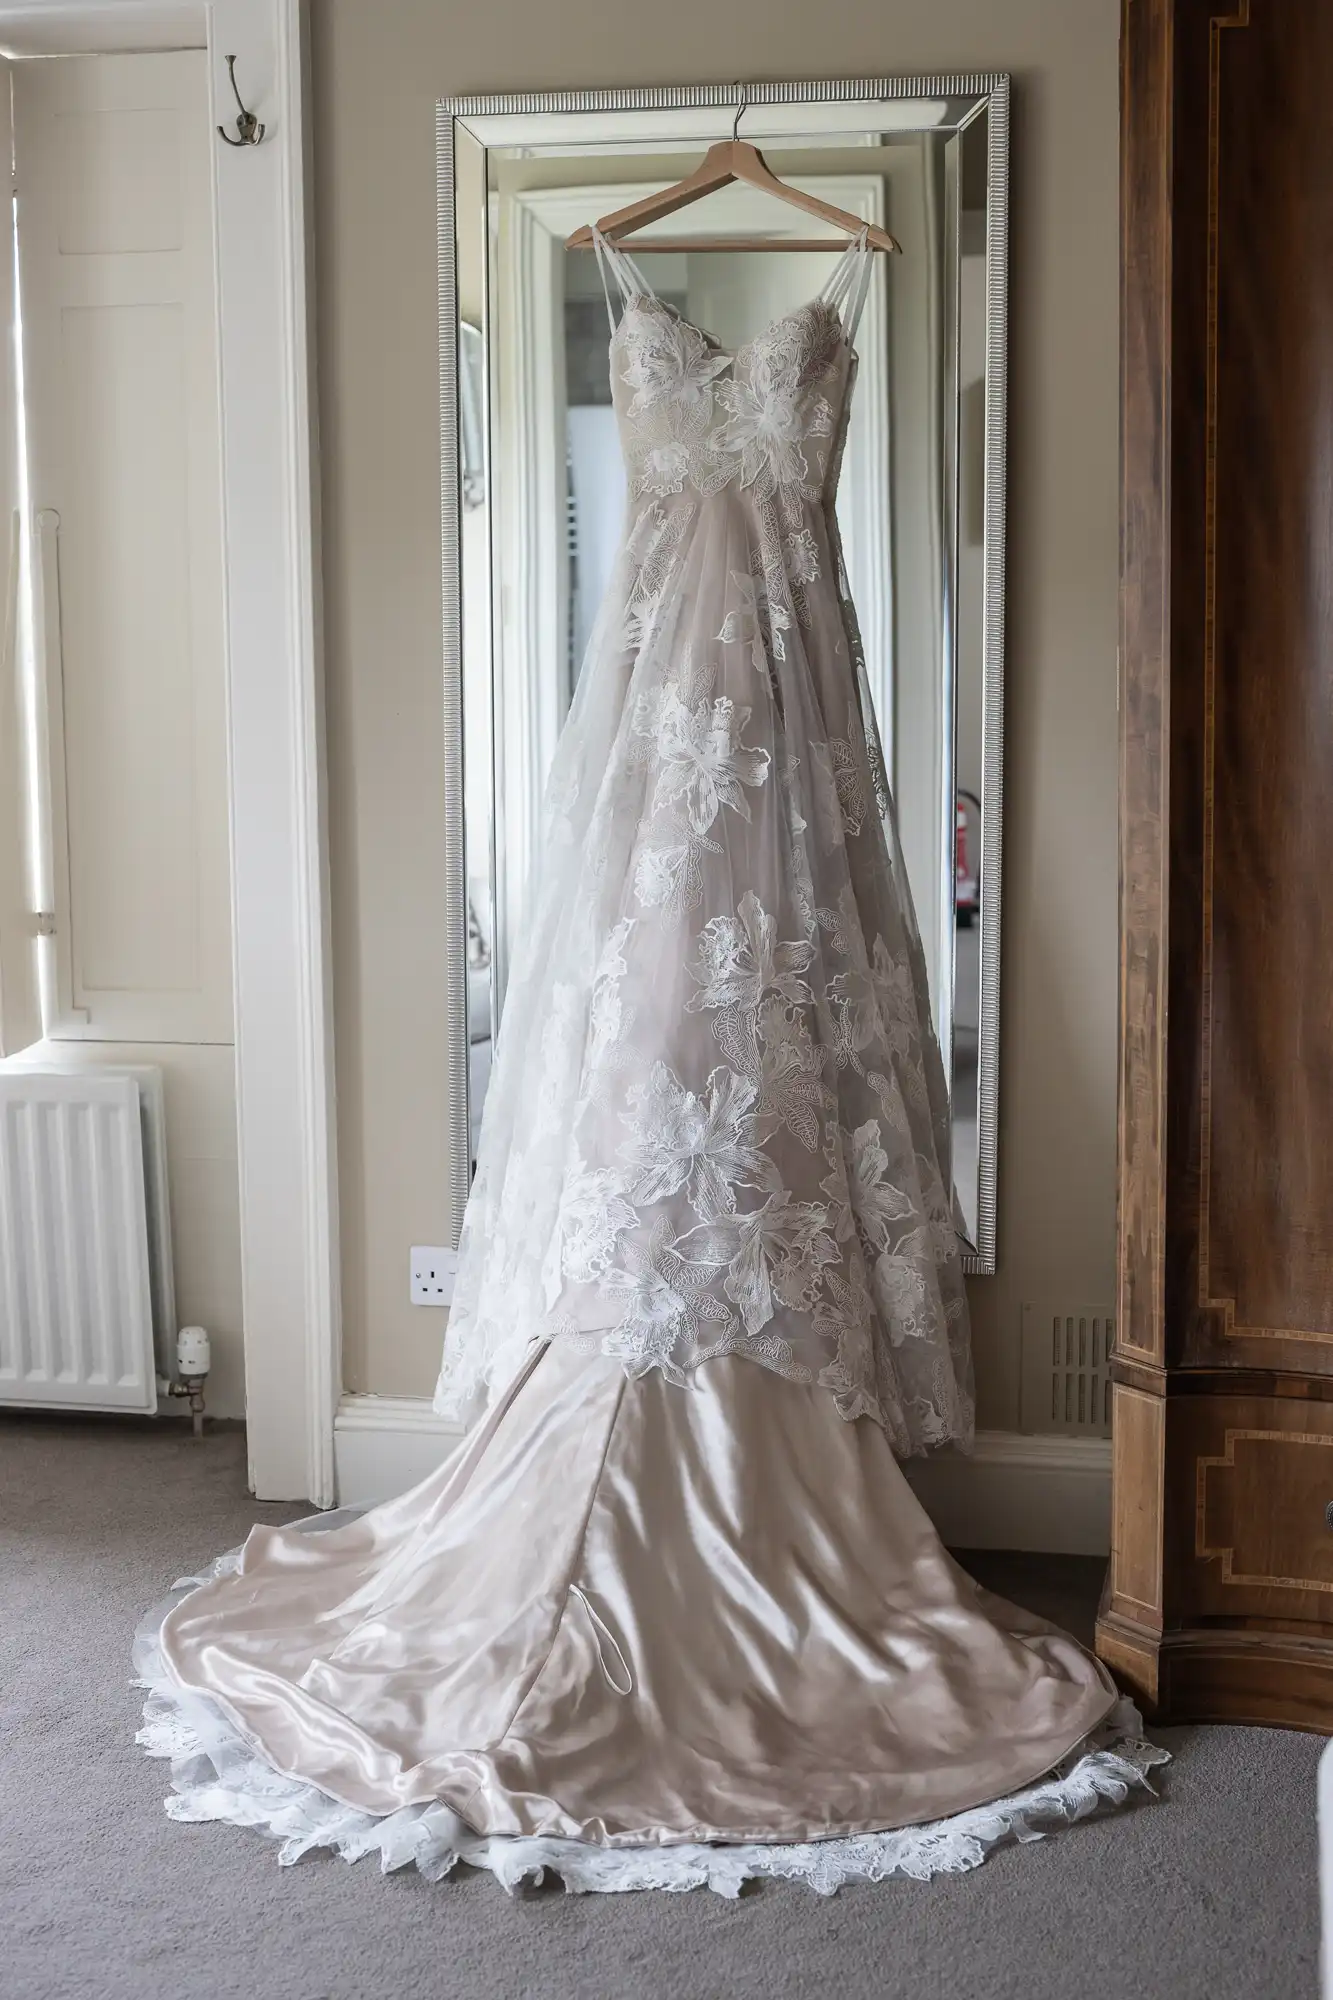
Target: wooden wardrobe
[1219,1599]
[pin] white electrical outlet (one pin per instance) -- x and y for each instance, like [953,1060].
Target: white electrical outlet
[433,1272]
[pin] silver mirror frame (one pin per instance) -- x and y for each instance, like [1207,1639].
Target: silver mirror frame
[480,117]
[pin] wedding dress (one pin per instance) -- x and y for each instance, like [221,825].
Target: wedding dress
[671,1613]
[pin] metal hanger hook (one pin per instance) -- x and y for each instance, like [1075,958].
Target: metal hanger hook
[249,127]
[742,105]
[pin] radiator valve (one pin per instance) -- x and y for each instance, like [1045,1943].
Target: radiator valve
[192,1365]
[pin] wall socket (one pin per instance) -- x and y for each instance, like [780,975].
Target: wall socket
[433,1272]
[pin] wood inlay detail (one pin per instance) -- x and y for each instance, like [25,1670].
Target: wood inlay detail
[1136,1514]
[1217,25]
[1279,1522]
[1223,1307]
[1145,451]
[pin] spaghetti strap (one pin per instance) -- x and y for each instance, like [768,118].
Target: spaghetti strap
[839,278]
[849,282]
[638,286]
[859,294]
[599,245]
[615,263]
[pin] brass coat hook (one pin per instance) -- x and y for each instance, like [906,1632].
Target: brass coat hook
[247,124]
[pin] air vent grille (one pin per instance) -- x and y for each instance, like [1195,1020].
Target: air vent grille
[1066,1372]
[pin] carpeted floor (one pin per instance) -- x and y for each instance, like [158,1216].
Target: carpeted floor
[1208,1893]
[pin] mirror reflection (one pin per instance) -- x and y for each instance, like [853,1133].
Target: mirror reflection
[543,489]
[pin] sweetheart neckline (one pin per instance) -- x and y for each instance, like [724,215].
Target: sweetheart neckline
[711,340]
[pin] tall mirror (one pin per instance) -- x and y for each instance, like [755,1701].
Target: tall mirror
[534,490]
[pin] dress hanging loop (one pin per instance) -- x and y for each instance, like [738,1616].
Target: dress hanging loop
[849,282]
[860,289]
[630,281]
[601,247]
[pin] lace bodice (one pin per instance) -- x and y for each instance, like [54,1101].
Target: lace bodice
[694,417]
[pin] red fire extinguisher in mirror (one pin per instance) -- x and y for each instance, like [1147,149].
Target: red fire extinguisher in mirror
[966,876]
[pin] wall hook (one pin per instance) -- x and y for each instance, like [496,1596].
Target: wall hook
[247,124]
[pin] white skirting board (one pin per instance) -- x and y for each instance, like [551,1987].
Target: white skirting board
[1021,1491]
[383,1445]
[1014,1491]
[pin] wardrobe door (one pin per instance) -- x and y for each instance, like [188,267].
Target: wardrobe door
[1226,1217]
[1251,1217]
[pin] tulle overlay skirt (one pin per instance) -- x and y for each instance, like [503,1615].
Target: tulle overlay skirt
[718,1121]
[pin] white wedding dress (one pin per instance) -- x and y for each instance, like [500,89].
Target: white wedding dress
[671,1613]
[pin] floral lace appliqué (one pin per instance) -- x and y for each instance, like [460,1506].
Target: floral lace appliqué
[717,1121]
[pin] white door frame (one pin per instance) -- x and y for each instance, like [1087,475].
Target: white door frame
[276,775]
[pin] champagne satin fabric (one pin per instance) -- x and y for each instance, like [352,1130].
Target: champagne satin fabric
[633,1612]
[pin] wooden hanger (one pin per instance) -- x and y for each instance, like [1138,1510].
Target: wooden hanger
[729,160]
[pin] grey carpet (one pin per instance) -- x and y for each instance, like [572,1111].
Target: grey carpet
[1208,1891]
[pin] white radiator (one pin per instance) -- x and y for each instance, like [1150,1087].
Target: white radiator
[85,1256]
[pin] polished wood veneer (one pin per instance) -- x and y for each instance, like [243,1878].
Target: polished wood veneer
[1219,1600]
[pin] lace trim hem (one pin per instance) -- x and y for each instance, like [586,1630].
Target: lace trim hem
[217,1775]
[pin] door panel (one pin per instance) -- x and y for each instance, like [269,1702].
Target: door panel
[116,265]
[20,1006]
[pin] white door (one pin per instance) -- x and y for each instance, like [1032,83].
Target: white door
[113,161]
[20,1012]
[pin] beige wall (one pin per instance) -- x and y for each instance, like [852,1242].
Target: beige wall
[377,73]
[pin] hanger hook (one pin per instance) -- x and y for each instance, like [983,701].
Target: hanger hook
[248,126]
[741,105]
